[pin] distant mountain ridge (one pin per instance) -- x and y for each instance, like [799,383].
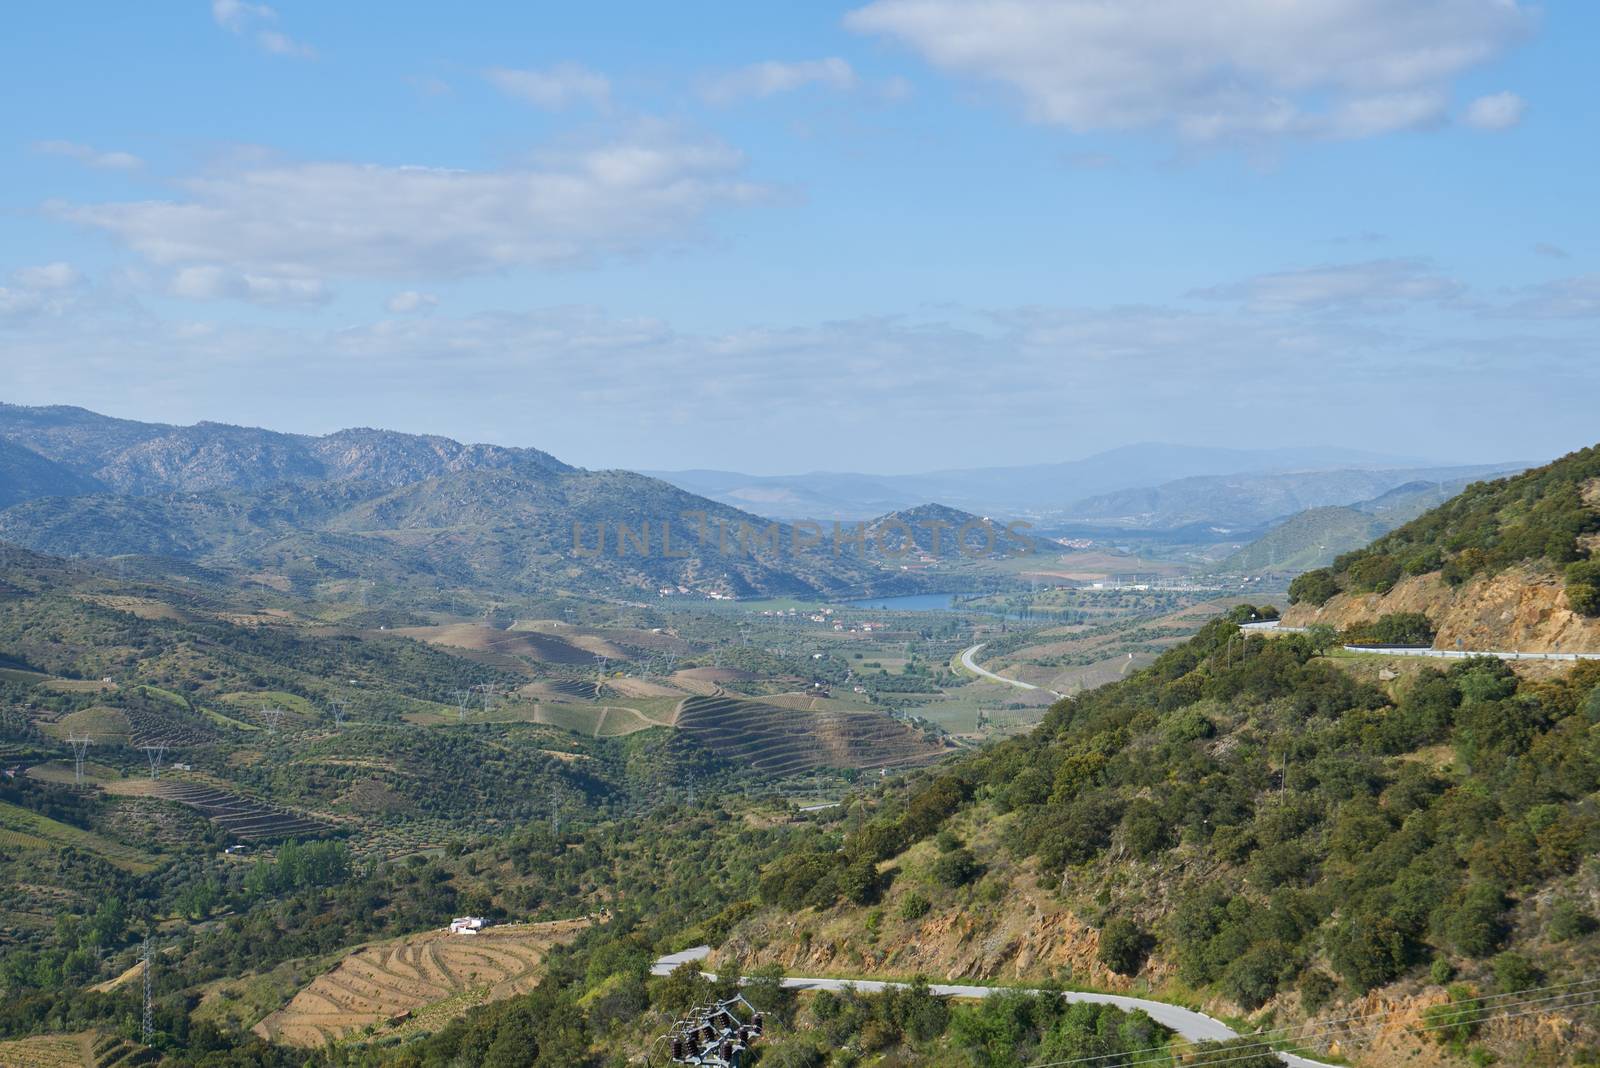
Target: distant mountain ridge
[1031,491]
[1246,500]
[144,458]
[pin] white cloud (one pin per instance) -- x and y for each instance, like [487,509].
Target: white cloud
[305,222]
[90,156]
[1219,71]
[49,277]
[410,300]
[1499,111]
[48,289]
[553,88]
[772,77]
[212,282]
[244,19]
[1373,285]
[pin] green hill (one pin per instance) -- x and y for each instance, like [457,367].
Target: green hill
[1544,517]
[1309,539]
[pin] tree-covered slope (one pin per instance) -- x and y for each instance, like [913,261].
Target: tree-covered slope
[1546,517]
[1251,820]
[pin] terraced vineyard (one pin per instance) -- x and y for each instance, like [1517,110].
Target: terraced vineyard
[786,741]
[434,975]
[242,817]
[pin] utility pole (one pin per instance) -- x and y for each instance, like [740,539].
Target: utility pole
[80,746]
[555,811]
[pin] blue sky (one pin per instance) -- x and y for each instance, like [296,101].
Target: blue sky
[886,236]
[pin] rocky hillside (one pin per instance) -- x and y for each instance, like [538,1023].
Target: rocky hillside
[1507,564]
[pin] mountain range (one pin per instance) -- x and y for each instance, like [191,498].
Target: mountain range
[381,507]
[1148,487]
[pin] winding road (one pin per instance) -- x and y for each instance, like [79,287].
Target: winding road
[1189,1024]
[972,666]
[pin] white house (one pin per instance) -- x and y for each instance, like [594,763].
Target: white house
[466,925]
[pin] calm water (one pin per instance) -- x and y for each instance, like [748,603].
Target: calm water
[915,602]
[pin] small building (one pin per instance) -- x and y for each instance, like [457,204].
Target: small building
[466,925]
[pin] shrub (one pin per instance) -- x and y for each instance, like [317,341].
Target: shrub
[1568,921]
[1313,587]
[1514,972]
[914,906]
[956,868]
[1316,990]
[1123,946]
[1583,587]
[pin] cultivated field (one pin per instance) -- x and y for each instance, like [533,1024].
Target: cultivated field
[22,829]
[786,741]
[243,817]
[428,977]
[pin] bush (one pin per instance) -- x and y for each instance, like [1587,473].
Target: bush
[1583,587]
[956,868]
[1123,946]
[914,906]
[1316,990]
[1514,972]
[1568,921]
[1395,628]
[1313,587]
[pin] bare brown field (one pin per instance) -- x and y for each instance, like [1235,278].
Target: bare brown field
[643,688]
[381,986]
[474,637]
[49,1051]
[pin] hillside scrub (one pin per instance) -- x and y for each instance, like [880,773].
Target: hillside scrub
[1368,862]
[1540,516]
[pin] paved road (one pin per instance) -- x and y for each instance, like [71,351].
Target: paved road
[972,666]
[1194,1026]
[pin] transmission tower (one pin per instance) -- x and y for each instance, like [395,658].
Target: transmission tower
[713,1036]
[463,698]
[273,716]
[80,746]
[488,697]
[555,811]
[340,708]
[149,1014]
[155,752]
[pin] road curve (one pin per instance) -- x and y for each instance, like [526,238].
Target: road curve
[1187,1023]
[972,666]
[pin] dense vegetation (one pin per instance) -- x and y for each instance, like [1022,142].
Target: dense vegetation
[1541,516]
[1337,845]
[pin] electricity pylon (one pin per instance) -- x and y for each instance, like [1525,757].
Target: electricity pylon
[80,746]
[155,752]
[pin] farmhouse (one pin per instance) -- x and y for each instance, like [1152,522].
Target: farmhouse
[466,925]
